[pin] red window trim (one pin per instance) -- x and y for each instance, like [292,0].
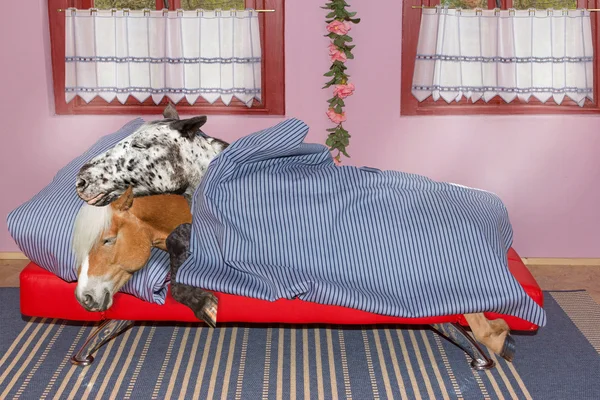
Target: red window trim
[273,69]
[409,106]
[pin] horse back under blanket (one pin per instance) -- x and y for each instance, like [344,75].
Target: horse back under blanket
[276,218]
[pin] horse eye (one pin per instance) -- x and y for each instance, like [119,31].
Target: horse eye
[109,241]
[139,146]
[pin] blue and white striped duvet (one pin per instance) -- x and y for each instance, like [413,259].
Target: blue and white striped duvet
[275,218]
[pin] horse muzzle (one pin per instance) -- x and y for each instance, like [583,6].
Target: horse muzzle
[87,189]
[92,301]
[100,199]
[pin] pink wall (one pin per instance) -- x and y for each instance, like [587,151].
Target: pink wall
[545,168]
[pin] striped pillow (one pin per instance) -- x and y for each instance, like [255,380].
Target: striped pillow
[42,227]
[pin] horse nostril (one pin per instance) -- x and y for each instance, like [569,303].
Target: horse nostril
[88,300]
[81,183]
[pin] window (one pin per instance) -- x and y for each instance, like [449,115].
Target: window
[272,42]
[411,20]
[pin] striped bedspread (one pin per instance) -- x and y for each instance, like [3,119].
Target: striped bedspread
[275,218]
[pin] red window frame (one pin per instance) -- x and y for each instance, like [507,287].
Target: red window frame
[411,22]
[273,69]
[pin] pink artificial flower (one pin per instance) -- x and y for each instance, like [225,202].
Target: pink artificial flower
[343,91]
[339,27]
[335,117]
[336,54]
[332,49]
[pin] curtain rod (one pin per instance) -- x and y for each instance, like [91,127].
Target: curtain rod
[147,9]
[527,9]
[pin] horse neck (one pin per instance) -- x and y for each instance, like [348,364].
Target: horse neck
[204,149]
[199,155]
[160,215]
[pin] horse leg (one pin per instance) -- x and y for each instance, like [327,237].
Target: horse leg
[202,303]
[494,334]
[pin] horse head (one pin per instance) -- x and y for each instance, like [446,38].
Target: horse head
[164,156]
[112,242]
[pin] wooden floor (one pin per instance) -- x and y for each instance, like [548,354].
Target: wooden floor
[9,272]
[548,277]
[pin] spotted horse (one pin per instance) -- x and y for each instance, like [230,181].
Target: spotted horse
[167,156]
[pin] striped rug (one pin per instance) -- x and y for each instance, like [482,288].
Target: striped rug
[156,361]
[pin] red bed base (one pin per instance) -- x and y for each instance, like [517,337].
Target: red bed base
[43,294]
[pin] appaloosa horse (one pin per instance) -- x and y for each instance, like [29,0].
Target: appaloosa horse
[164,156]
[172,156]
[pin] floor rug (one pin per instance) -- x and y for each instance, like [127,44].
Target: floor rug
[157,361]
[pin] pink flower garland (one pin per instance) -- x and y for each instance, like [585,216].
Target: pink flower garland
[338,26]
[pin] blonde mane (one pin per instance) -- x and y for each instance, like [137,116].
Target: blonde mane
[90,222]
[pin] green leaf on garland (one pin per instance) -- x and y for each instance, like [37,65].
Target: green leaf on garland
[331,82]
[330,73]
[331,15]
[339,42]
[352,14]
[346,38]
[354,21]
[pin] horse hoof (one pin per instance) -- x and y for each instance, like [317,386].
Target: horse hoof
[509,348]
[209,311]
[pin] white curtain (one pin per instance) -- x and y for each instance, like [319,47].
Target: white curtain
[512,53]
[212,54]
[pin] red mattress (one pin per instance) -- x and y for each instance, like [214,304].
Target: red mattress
[43,294]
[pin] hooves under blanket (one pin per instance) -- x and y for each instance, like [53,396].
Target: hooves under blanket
[202,303]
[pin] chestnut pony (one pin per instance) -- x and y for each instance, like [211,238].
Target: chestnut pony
[114,241]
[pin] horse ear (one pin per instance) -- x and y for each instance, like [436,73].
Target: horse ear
[170,112]
[124,202]
[189,127]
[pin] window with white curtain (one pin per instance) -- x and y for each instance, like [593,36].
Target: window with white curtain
[134,56]
[528,56]
[155,54]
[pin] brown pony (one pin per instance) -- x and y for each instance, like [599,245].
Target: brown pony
[113,242]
